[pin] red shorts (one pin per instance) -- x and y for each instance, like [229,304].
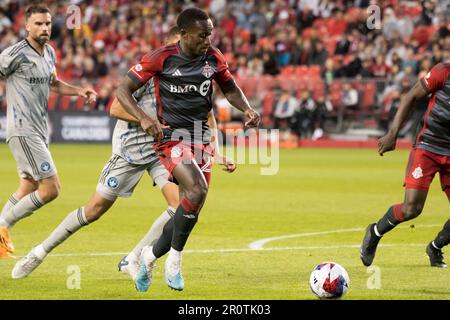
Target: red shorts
[171,153]
[422,166]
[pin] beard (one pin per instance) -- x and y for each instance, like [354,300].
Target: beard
[42,40]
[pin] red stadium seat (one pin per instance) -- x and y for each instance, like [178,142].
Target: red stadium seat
[52,100]
[80,104]
[64,103]
[318,89]
[314,71]
[369,96]
[301,71]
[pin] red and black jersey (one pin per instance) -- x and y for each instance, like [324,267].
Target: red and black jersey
[183,87]
[435,134]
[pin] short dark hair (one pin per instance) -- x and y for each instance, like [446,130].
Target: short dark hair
[173,32]
[36,8]
[190,16]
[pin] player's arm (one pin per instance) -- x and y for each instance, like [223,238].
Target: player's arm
[388,142]
[65,89]
[237,98]
[229,164]
[8,63]
[124,95]
[117,111]
[432,82]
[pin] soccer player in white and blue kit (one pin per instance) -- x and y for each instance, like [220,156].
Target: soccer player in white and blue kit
[29,70]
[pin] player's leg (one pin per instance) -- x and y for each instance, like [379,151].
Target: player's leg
[130,262]
[396,214]
[118,178]
[420,172]
[48,190]
[26,186]
[194,188]
[73,222]
[35,166]
[434,248]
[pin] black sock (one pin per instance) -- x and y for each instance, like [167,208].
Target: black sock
[443,237]
[391,219]
[184,222]
[162,245]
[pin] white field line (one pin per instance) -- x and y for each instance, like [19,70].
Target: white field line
[259,244]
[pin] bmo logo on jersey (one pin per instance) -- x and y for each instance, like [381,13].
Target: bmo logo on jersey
[203,89]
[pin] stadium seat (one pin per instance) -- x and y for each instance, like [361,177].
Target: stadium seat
[301,71]
[52,100]
[369,97]
[318,89]
[64,103]
[80,104]
[314,71]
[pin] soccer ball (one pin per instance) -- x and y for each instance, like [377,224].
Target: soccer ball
[329,280]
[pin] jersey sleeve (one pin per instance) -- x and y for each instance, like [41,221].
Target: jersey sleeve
[435,79]
[8,63]
[222,75]
[149,66]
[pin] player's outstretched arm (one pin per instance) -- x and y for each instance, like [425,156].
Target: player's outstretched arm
[124,96]
[228,163]
[388,142]
[65,89]
[237,98]
[117,111]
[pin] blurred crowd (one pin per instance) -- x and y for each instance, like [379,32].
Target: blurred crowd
[328,41]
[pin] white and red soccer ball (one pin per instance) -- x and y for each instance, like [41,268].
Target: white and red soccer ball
[329,280]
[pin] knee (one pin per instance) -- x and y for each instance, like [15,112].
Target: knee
[50,192]
[94,211]
[197,194]
[412,209]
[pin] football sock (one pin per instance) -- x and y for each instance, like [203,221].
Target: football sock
[154,233]
[72,223]
[392,218]
[22,209]
[443,237]
[162,245]
[184,221]
[12,201]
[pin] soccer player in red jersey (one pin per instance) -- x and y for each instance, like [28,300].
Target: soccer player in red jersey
[183,74]
[430,154]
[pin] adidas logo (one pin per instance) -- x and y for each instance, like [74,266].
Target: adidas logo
[177,73]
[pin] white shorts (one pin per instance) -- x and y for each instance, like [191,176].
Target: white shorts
[119,178]
[33,157]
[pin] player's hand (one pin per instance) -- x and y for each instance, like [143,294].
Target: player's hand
[89,94]
[387,143]
[252,118]
[228,163]
[152,127]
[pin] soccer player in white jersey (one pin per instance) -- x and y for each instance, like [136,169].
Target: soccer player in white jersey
[29,70]
[133,154]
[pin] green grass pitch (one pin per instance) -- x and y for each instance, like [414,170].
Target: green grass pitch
[315,191]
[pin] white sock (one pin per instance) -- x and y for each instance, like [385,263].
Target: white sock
[148,254]
[24,207]
[174,254]
[12,201]
[155,231]
[72,223]
[5,224]
[131,257]
[40,252]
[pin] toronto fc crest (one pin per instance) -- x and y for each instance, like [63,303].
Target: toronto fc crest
[207,71]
